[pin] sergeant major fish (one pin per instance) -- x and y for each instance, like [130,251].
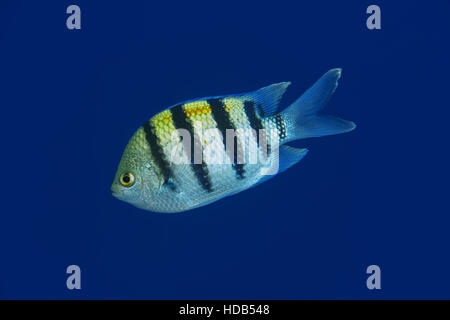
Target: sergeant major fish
[148,178]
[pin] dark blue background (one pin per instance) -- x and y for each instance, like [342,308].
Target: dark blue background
[70,101]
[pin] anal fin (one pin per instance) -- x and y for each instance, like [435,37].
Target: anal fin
[286,157]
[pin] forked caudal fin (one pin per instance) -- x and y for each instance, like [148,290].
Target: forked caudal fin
[302,118]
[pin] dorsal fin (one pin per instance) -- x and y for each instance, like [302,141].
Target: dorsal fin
[268,98]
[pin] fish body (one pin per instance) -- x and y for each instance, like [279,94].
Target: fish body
[202,150]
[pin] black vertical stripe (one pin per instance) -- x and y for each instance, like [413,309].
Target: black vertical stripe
[181,121]
[157,152]
[256,122]
[222,118]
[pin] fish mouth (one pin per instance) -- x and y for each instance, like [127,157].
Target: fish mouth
[117,195]
[116,192]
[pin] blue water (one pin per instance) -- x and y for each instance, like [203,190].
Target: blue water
[71,99]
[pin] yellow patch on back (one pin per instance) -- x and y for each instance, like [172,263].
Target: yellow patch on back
[163,125]
[199,113]
[197,108]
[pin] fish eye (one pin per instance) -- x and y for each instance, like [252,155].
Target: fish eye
[127,179]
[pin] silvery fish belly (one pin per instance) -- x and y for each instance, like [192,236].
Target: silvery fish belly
[202,150]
